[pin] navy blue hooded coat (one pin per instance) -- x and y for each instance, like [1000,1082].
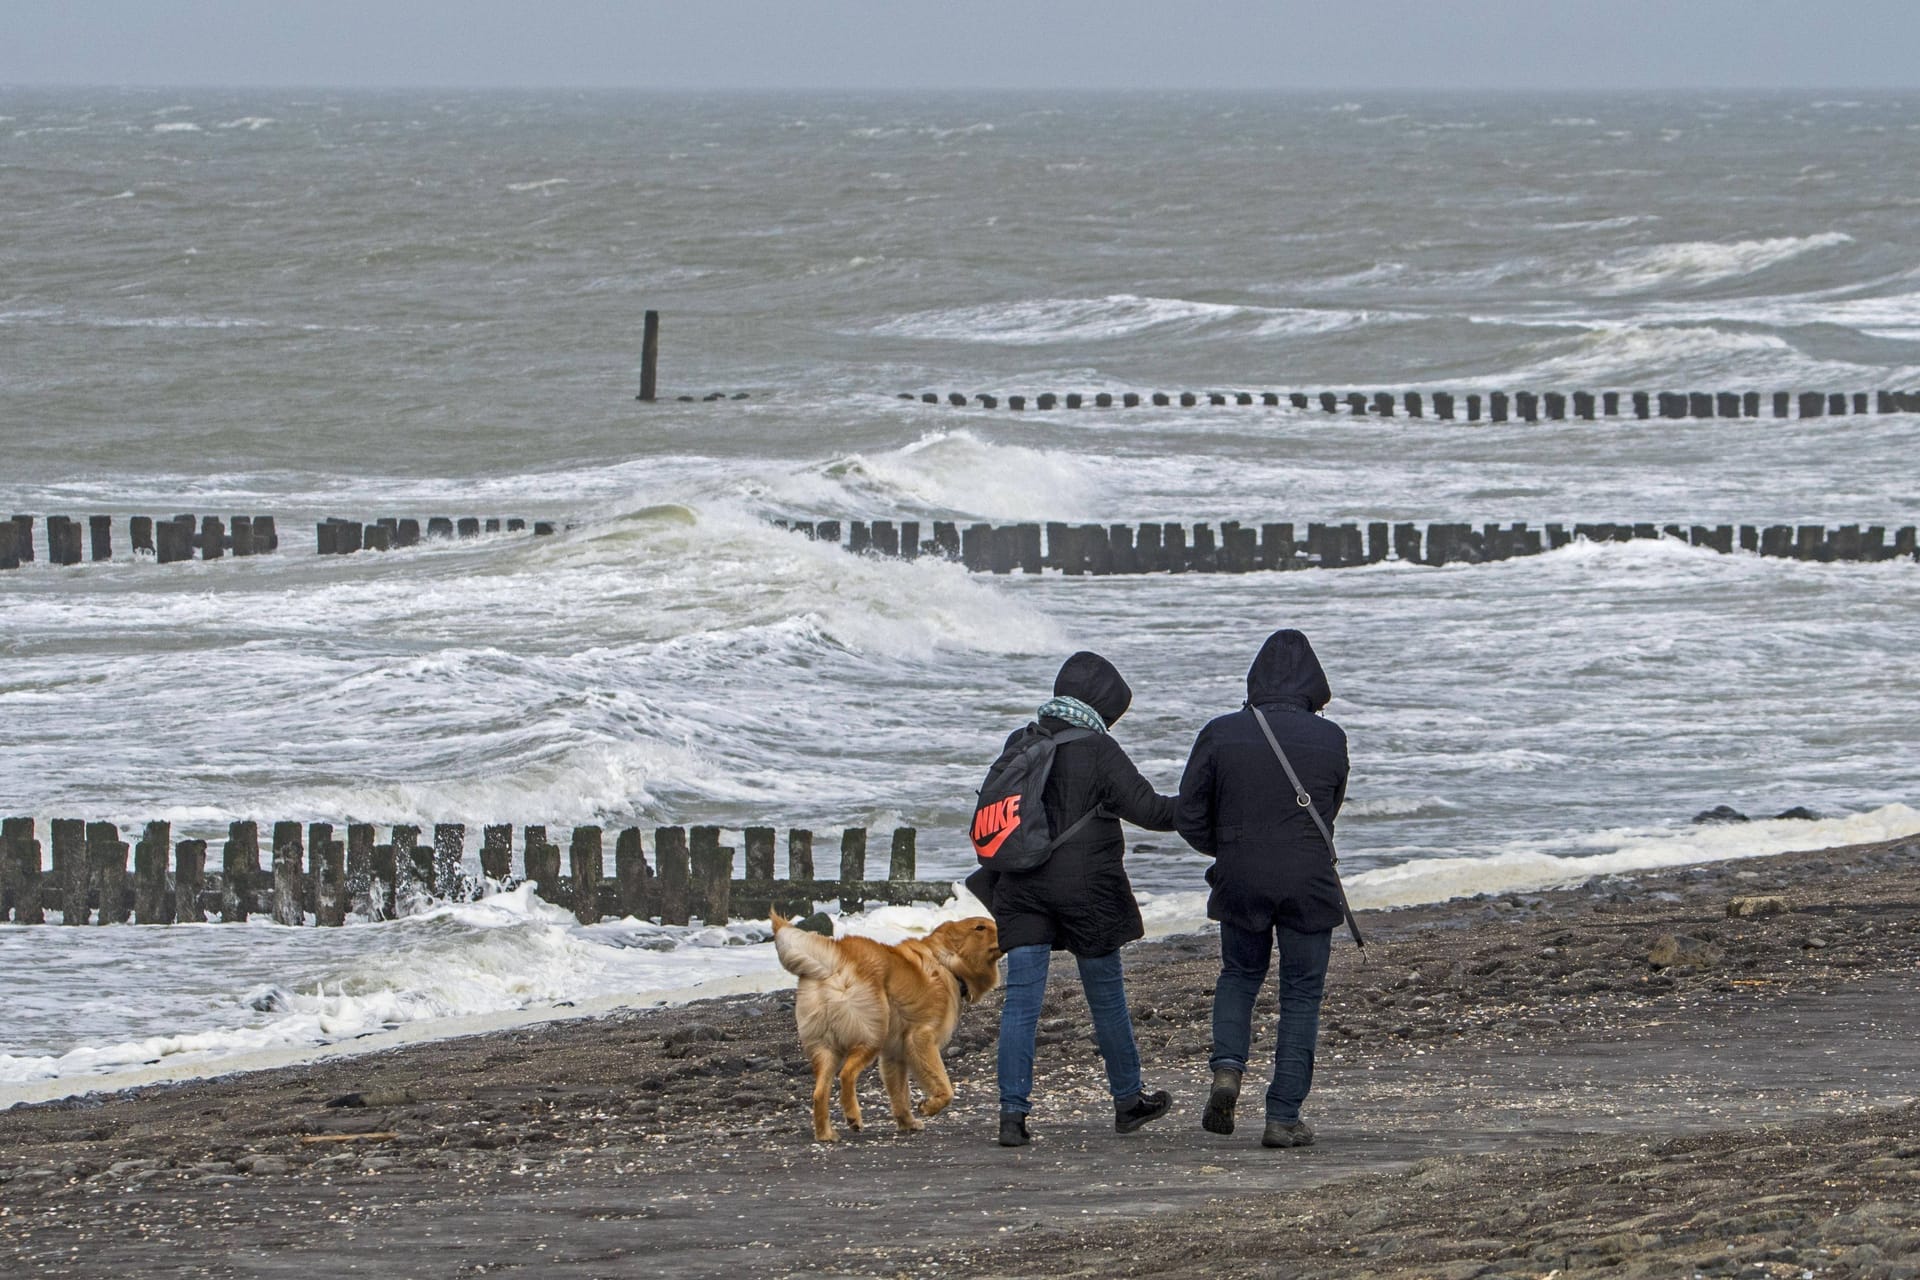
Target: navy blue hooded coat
[1270,864]
[1080,899]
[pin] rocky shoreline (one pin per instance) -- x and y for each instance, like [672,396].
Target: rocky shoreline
[1708,1070]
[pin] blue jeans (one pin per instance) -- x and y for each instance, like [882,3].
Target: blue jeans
[1106,990]
[1244,957]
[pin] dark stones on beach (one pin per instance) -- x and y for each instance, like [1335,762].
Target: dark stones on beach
[1718,814]
[1673,950]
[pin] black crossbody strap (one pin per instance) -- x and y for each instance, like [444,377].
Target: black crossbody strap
[1305,801]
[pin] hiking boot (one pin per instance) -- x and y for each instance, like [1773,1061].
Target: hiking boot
[1013,1129]
[1281,1133]
[1218,1117]
[1144,1109]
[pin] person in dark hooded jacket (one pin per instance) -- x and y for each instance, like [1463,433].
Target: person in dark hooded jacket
[1079,899]
[1273,877]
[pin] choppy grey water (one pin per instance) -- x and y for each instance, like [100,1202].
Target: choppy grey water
[429,303]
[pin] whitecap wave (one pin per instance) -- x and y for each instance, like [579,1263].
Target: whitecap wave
[1697,262]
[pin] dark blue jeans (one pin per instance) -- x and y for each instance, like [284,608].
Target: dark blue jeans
[1106,992]
[1244,957]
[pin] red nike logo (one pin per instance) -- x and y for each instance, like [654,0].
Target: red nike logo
[993,824]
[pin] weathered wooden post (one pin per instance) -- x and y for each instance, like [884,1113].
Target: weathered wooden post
[72,868]
[976,547]
[1642,405]
[1204,555]
[63,541]
[1329,402]
[361,899]
[584,856]
[241,529]
[853,870]
[467,526]
[9,545]
[239,871]
[439,527]
[100,530]
[1497,406]
[1383,404]
[213,538]
[385,888]
[799,854]
[1120,549]
[376,537]
[649,354]
[1583,405]
[23,538]
[288,891]
[1415,407]
[541,858]
[406,532]
[670,853]
[150,874]
[1473,406]
[758,843]
[330,888]
[24,859]
[319,836]
[107,855]
[712,880]
[265,537]
[1173,546]
[1443,405]
[1276,546]
[902,857]
[632,877]
[1406,542]
[449,846]
[1554,405]
[496,852]
[189,878]
[1610,404]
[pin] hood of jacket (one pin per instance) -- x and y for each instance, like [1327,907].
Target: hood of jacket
[1287,674]
[1096,682]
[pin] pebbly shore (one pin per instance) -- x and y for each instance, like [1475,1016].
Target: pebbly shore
[1710,1070]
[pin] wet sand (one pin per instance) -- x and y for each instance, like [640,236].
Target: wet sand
[1510,1087]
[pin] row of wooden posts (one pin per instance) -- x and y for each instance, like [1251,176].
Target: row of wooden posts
[335,536]
[311,872]
[1099,550]
[1496,406]
[166,540]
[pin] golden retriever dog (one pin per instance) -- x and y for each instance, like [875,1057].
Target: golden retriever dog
[860,1000]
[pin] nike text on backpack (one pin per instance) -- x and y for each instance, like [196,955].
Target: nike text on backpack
[1010,831]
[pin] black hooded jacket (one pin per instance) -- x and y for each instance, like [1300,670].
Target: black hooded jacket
[1270,864]
[1079,899]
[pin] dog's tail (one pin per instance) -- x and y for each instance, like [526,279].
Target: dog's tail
[807,954]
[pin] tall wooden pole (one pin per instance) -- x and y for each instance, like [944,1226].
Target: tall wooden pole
[649,354]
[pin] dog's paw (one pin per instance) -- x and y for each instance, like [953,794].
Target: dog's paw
[933,1106]
[855,1123]
[909,1123]
[825,1136]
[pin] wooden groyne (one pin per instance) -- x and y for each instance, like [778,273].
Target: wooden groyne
[336,536]
[167,540]
[327,872]
[1491,406]
[1236,547]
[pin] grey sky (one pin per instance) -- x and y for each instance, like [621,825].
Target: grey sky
[864,44]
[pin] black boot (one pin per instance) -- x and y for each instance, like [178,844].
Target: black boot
[1280,1133]
[1226,1091]
[1144,1109]
[1013,1129]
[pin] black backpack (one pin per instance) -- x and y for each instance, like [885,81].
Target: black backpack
[1010,830]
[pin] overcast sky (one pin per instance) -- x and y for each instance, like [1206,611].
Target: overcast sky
[1022,44]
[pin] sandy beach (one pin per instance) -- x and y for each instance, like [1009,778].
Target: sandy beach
[1509,1087]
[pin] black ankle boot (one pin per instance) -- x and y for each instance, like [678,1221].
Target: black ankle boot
[1144,1109]
[1013,1129]
[1226,1091]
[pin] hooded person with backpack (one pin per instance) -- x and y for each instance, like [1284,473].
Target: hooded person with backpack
[1077,898]
[1257,788]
